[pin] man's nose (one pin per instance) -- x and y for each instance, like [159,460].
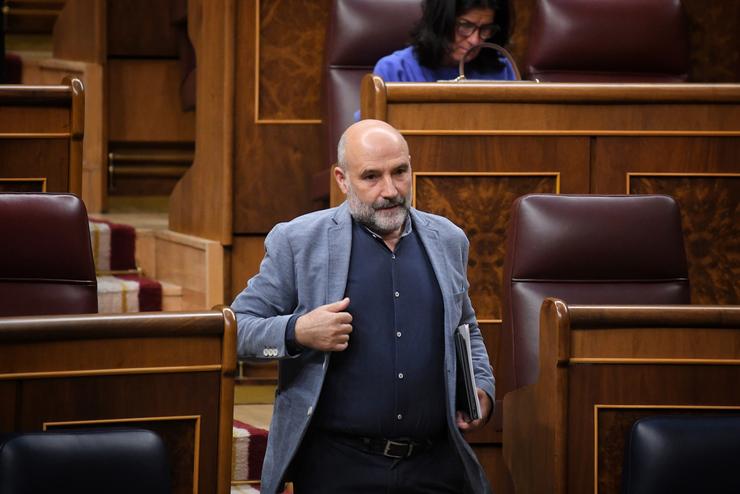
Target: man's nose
[389,188]
[475,38]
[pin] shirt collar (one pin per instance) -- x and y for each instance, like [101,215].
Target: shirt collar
[407,228]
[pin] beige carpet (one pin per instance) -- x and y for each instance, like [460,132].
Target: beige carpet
[256,415]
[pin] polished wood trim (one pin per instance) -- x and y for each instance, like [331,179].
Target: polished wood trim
[162,157]
[263,121]
[562,92]
[576,133]
[31,93]
[110,372]
[77,131]
[661,407]
[73,327]
[226,405]
[125,420]
[257,119]
[77,116]
[375,106]
[196,457]
[35,135]
[635,316]
[196,438]
[629,175]
[598,407]
[488,174]
[657,361]
[256,60]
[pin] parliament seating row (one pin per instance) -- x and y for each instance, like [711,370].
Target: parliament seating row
[168,372]
[568,44]
[172,373]
[46,268]
[602,368]
[552,367]
[41,131]
[41,150]
[651,220]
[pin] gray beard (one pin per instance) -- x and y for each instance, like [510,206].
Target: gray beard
[372,215]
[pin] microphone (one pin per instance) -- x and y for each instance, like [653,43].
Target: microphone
[500,49]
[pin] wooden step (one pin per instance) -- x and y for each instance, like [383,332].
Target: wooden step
[190,269]
[193,264]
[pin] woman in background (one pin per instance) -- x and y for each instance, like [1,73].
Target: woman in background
[445,33]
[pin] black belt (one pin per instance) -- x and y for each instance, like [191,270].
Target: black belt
[391,448]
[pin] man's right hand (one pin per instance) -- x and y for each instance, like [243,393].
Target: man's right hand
[325,328]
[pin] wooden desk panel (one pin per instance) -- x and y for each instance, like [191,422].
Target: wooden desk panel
[594,136]
[50,120]
[186,416]
[169,372]
[601,368]
[41,158]
[605,400]
[41,130]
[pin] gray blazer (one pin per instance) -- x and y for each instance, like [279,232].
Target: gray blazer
[306,265]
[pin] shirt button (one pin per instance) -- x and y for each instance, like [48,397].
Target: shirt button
[399,416]
[396,294]
[400,375]
[398,334]
[393,256]
[310,411]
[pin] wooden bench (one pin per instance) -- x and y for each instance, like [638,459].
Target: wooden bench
[41,130]
[169,372]
[602,368]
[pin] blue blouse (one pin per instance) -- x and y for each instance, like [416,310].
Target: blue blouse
[403,66]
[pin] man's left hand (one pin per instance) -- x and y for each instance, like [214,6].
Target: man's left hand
[463,421]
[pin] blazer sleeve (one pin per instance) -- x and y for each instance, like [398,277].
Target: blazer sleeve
[481,365]
[265,306]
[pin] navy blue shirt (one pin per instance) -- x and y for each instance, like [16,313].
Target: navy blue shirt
[389,382]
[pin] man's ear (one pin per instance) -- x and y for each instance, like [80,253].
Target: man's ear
[341,178]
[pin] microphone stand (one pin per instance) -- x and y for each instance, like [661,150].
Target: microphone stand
[500,49]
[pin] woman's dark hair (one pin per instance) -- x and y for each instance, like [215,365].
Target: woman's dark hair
[432,37]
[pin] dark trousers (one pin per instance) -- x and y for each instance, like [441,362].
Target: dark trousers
[328,464]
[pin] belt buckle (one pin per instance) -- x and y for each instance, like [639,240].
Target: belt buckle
[389,444]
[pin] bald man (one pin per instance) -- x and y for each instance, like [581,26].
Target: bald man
[360,303]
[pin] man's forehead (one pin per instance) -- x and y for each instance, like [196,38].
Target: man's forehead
[383,164]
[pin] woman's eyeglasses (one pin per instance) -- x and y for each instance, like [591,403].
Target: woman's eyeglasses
[465,29]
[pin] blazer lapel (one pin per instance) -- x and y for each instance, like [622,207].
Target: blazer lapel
[340,247]
[430,238]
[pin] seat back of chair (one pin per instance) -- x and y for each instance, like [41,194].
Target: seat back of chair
[682,454]
[608,41]
[585,249]
[360,33]
[86,461]
[46,260]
